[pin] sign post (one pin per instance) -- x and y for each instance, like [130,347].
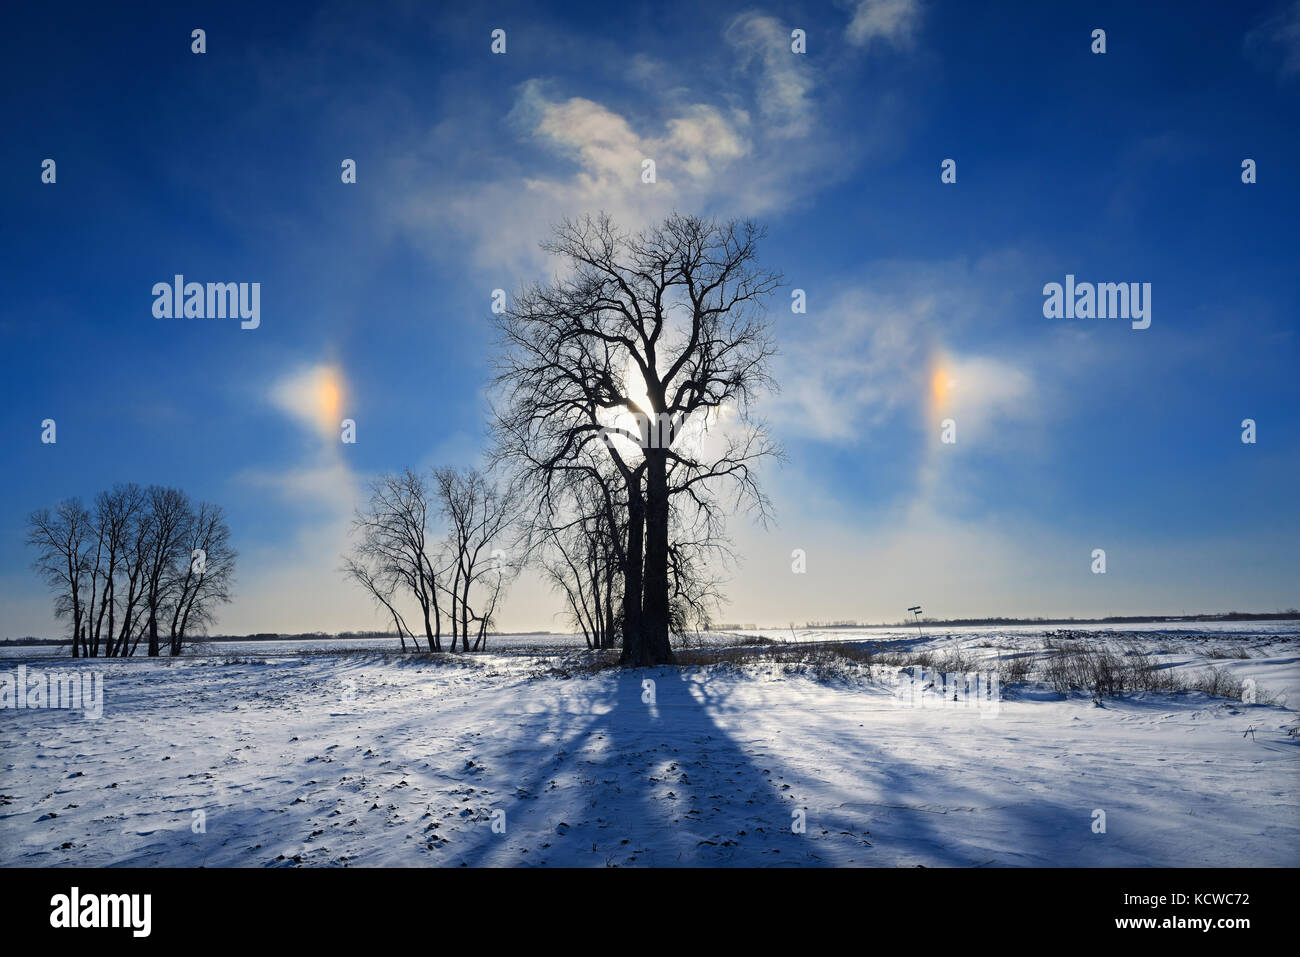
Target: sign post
[916,610]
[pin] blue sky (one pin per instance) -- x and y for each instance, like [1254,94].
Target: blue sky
[1072,434]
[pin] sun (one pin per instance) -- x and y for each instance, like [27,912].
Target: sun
[634,385]
[634,388]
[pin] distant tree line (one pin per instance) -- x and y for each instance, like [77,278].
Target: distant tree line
[141,564]
[1289,614]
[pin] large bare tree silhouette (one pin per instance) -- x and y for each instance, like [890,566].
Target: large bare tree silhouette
[636,371]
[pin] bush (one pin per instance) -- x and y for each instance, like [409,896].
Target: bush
[1232,651]
[1015,668]
[1105,674]
[1218,684]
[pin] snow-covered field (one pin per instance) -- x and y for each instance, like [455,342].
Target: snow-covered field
[525,756]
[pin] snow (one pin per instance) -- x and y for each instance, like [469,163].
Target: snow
[367,758]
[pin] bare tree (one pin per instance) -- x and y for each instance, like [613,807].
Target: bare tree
[559,386]
[583,557]
[168,526]
[394,551]
[398,557]
[497,575]
[382,591]
[478,515]
[134,564]
[61,539]
[115,512]
[666,329]
[205,578]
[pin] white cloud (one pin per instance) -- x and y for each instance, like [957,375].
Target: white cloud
[984,392]
[893,350]
[785,80]
[696,148]
[313,395]
[891,21]
[699,142]
[849,363]
[744,145]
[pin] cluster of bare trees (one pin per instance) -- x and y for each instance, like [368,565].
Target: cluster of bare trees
[429,544]
[623,425]
[625,389]
[140,563]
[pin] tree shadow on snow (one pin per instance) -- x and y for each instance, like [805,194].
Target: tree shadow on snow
[645,776]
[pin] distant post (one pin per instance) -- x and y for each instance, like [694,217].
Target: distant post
[916,610]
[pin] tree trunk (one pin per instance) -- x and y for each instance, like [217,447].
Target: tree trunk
[432,624]
[464,613]
[632,572]
[607,626]
[111,595]
[656,649]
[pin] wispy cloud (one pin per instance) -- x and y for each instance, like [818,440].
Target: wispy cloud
[896,343]
[1274,43]
[314,396]
[892,22]
[744,139]
[784,80]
